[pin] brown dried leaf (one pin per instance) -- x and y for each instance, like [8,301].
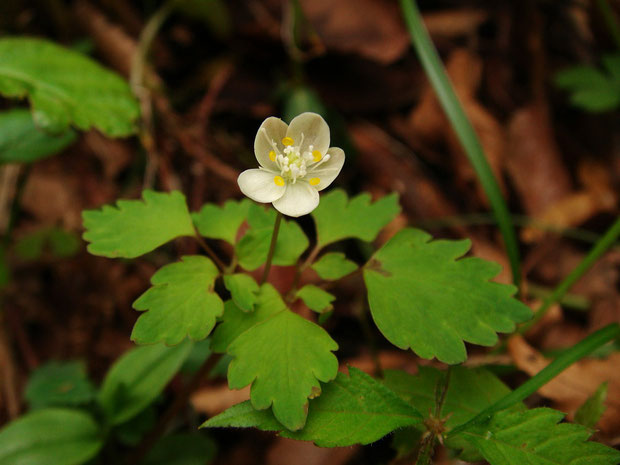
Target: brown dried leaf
[213,400]
[535,165]
[288,451]
[570,389]
[393,171]
[371,28]
[454,23]
[464,69]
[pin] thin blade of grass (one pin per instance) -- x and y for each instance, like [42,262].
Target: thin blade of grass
[469,140]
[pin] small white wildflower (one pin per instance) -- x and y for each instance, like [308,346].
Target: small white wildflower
[296,163]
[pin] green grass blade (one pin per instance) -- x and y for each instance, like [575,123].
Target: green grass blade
[463,128]
[604,243]
[572,355]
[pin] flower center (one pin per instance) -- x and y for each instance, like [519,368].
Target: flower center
[294,163]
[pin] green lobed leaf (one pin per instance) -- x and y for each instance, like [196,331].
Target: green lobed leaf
[223,222]
[243,290]
[535,437]
[424,296]
[182,449]
[59,384]
[137,378]
[316,298]
[21,141]
[66,88]
[284,357]
[181,303]
[353,409]
[591,88]
[253,247]
[235,321]
[337,217]
[333,265]
[50,436]
[593,408]
[135,227]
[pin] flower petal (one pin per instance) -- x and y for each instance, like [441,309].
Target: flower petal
[314,129]
[271,132]
[259,185]
[299,199]
[327,172]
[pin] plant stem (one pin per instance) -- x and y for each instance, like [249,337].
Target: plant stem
[608,239]
[272,248]
[463,129]
[209,251]
[610,21]
[173,410]
[572,355]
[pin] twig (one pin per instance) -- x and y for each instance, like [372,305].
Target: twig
[7,374]
[173,410]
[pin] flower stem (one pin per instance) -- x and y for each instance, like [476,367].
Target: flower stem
[209,251]
[272,248]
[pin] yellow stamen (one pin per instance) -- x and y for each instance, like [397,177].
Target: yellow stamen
[272,155]
[314,181]
[288,141]
[278,181]
[317,155]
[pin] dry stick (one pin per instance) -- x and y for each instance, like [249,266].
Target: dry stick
[177,405]
[143,92]
[272,248]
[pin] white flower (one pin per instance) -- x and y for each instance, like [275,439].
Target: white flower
[295,164]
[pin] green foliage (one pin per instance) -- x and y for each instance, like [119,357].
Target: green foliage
[137,378]
[353,409]
[284,357]
[135,227]
[591,88]
[593,408]
[182,449]
[469,392]
[222,222]
[235,321]
[301,99]
[181,303]
[535,437]
[66,88]
[199,353]
[214,13]
[337,217]
[243,290]
[22,142]
[422,297]
[316,298]
[333,265]
[59,384]
[61,244]
[132,431]
[253,247]
[50,436]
